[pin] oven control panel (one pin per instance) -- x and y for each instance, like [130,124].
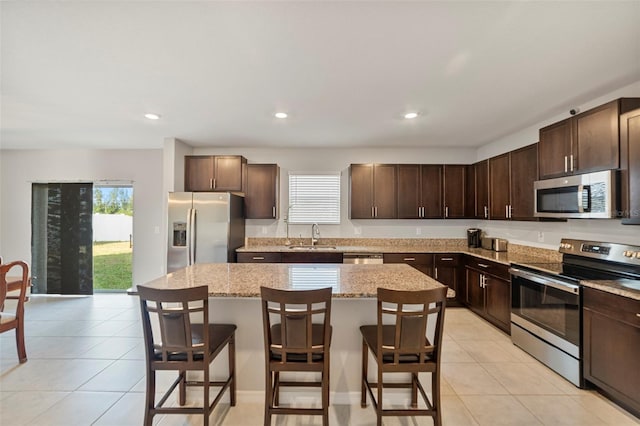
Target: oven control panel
[613,252]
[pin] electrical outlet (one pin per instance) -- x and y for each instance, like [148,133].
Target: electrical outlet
[357,230]
[540,236]
[418,231]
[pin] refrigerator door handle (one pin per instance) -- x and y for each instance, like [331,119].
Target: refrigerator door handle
[191,232]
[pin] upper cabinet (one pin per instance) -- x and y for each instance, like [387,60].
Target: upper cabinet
[454,191]
[481,170]
[263,189]
[419,191]
[511,178]
[630,167]
[587,142]
[373,191]
[215,173]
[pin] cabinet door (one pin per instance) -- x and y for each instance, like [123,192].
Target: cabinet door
[198,173]
[499,186]
[315,257]
[266,257]
[361,206]
[597,140]
[630,164]
[554,149]
[475,292]
[423,262]
[228,173]
[384,191]
[482,189]
[470,191]
[409,203]
[261,196]
[454,186]
[498,302]
[524,172]
[431,186]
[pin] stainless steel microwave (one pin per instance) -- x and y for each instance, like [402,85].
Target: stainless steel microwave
[591,195]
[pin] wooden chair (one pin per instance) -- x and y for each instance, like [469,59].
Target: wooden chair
[181,345]
[297,340]
[15,320]
[404,344]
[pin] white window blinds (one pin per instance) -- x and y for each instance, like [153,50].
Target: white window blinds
[314,198]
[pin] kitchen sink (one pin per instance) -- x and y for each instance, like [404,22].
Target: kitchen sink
[632,284]
[316,247]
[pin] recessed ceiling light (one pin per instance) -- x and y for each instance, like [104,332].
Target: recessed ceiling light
[152,116]
[281,115]
[410,115]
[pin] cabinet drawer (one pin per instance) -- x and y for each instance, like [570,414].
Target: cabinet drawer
[312,257]
[488,267]
[447,259]
[267,257]
[618,307]
[409,258]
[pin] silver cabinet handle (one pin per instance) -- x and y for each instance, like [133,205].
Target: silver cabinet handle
[566,169]
[486,212]
[372,214]
[376,210]
[436,272]
[273,209]
[446,258]
[214,183]
[407,259]
[510,211]
[446,212]
[210,183]
[258,257]
[638,315]
[571,161]
[506,211]
[480,280]
[483,265]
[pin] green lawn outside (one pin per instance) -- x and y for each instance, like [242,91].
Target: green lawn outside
[112,265]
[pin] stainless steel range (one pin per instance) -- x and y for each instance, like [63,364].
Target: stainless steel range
[546,300]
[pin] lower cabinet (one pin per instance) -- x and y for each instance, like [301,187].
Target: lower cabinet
[266,257]
[488,291]
[611,345]
[313,257]
[421,261]
[447,270]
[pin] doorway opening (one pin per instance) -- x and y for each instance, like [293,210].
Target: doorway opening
[112,237]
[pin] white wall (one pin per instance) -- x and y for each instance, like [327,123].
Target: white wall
[21,168]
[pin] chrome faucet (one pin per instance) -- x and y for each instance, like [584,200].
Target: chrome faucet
[315,234]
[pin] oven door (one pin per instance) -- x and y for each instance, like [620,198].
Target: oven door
[547,307]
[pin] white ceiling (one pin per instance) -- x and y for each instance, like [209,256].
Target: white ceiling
[79,74]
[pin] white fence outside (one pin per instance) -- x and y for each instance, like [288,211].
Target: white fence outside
[112,227]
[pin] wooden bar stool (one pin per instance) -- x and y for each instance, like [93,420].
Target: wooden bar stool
[404,344]
[180,345]
[297,338]
[14,320]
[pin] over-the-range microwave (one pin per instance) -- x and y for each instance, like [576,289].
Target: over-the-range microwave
[590,195]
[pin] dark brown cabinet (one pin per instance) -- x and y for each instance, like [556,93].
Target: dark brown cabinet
[611,339]
[373,191]
[488,291]
[587,142]
[481,170]
[454,191]
[311,257]
[447,270]
[215,173]
[470,191]
[421,261]
[630,167]
[262,193]
[511,178]
[419,191]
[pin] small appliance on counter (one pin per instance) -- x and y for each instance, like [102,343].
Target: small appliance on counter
[474,237]
[495,244]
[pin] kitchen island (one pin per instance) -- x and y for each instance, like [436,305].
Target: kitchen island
[234,290]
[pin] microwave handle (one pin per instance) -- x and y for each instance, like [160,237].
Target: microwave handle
[584,191]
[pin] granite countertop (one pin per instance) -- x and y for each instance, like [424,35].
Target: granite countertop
[615,287]
[506,258]
[245,279]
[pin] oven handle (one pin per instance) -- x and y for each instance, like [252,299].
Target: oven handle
[544,280]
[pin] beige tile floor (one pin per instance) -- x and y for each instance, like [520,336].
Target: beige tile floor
[86,367]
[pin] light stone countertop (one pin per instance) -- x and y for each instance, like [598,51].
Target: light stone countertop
[245,279]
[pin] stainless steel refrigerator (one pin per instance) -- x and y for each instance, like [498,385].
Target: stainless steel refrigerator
[204,227]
